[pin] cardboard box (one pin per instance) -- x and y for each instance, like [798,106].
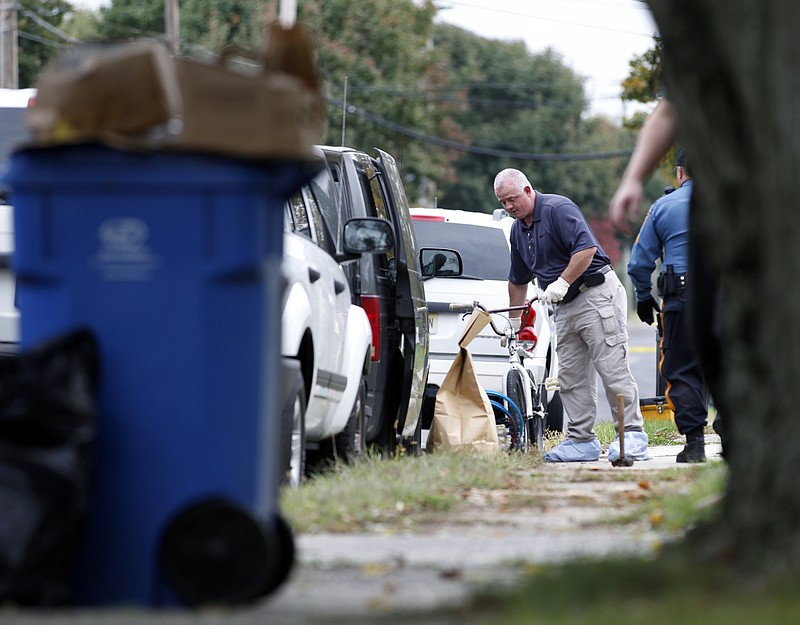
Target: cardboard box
[100,91]
[137,96]
[254,116]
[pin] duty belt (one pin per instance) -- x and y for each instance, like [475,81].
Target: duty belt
[586,281]
[670,283]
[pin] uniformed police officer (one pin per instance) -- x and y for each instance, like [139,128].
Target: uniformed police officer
[665,235]
[551,241]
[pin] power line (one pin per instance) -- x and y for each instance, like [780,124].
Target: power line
[49,27]
[473,149]
[37,39]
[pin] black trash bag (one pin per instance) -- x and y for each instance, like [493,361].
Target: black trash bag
[47,426]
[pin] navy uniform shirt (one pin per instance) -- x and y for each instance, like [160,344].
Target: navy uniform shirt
[664,234]
[558,230]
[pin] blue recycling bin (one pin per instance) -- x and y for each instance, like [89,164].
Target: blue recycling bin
[173,261]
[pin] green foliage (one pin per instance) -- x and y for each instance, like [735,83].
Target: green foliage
[658,432]
[125,19]
[420,91]
[514,101]
[215,24]
[379,50]
[401,490]
[675,588]
[643,83]
[82,24]
[37,43]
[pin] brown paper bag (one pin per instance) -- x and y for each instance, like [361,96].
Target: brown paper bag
[463,418]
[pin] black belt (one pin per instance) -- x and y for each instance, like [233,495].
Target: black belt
[670,284]
[586,281]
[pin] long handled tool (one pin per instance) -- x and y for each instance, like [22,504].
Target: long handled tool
[623,460]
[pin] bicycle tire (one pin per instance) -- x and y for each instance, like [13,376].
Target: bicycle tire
[510,408]
[555,409]
[537,424]
[515,389]
[502,416]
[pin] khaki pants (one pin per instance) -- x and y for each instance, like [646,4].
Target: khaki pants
[593,338]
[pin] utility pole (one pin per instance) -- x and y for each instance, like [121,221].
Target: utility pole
[172,25]
[9,72]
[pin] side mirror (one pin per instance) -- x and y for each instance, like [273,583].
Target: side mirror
[366,235]
[440,263]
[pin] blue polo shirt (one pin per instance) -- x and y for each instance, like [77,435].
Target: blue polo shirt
[558,230]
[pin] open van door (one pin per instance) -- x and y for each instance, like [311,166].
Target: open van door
[412,309]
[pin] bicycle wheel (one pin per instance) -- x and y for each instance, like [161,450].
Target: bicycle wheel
[555,409]
[507,429]
[515,389]
[537,424]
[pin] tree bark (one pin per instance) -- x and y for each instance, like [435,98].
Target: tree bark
[731,68]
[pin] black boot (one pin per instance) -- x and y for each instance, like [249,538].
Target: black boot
[695,448]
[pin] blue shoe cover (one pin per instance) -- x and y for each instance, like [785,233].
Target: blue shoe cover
[635,447]
[573,451]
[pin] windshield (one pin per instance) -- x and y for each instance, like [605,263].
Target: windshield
[483,250]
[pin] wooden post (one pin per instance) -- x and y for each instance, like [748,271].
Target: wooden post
[172,25]
[9,71]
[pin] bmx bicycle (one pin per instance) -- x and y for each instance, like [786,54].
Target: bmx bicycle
[522,413]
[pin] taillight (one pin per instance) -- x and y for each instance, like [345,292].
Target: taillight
[372,306]
[427,217]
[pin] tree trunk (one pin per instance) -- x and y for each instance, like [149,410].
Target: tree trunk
[731,68]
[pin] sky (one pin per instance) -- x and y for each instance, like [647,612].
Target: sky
[595,38]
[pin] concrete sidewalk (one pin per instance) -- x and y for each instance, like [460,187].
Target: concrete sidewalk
[579,510]
[575,514]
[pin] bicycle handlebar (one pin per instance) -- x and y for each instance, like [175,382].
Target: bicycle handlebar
[463,307]
[458,307]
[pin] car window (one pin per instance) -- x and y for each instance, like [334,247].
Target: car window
[322,237]
[326,196]
[373,195]
[299,215]
[484,251]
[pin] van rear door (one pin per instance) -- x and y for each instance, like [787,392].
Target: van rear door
[412,307]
